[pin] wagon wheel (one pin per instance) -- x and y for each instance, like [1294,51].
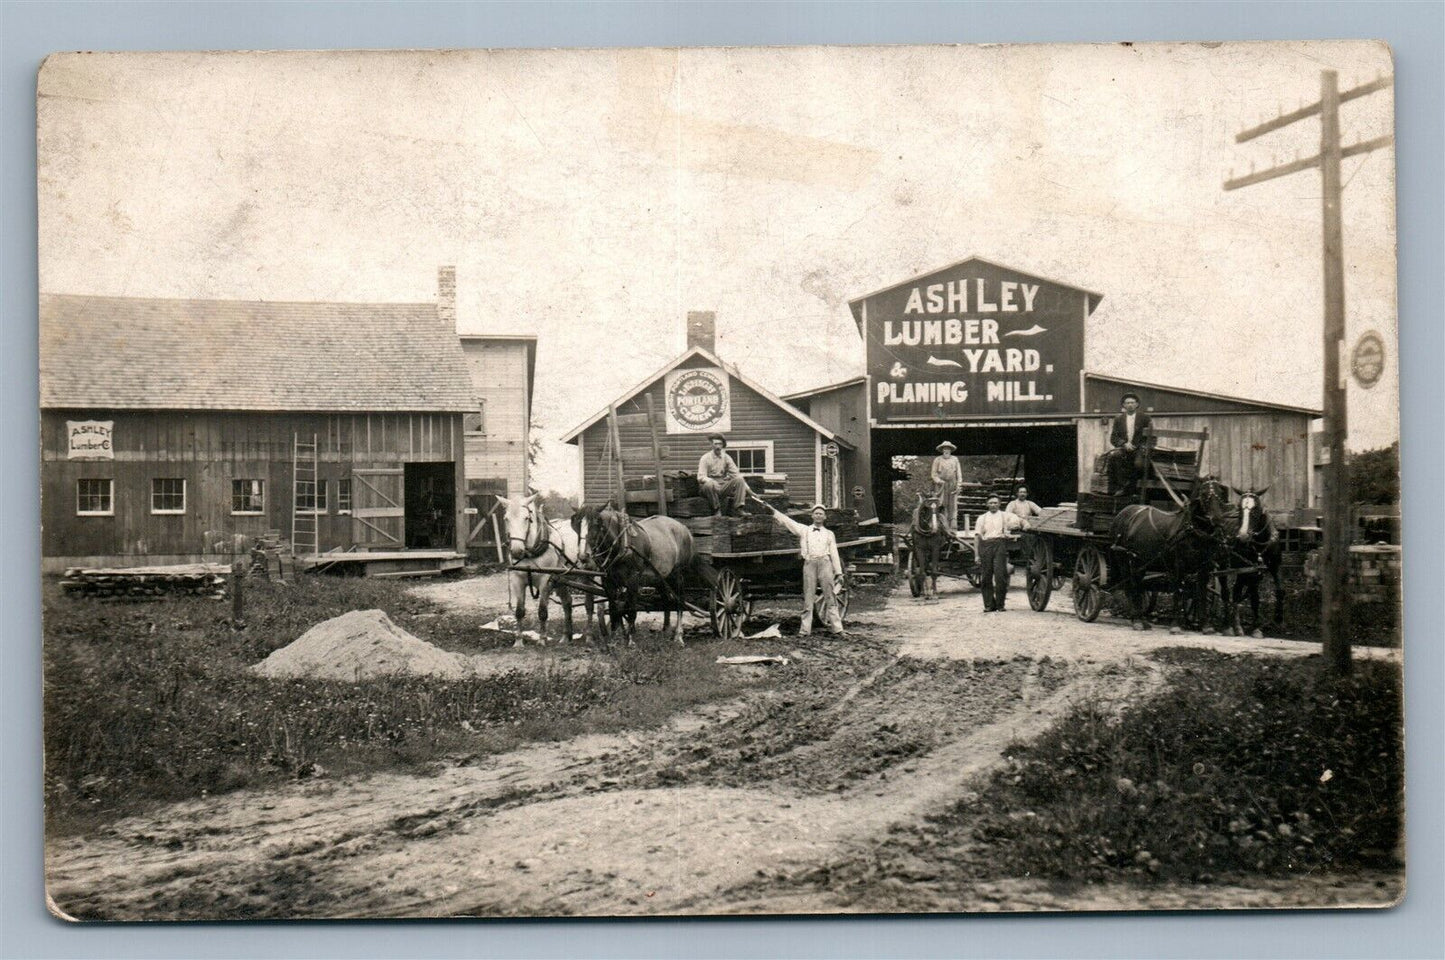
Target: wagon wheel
[1088,584]
[915,573]
[728,608]
[1040,574]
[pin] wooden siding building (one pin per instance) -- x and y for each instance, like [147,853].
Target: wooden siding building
[169,427]
[766,434]
[992,358]
[497,431]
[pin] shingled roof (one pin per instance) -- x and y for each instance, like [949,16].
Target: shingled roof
[129,353]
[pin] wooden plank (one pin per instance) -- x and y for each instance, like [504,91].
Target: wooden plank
[634,419]
[645,456]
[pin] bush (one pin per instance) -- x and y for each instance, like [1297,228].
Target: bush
[1243,764]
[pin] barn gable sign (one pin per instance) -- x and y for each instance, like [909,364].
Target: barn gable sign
[697,400]
[974,340]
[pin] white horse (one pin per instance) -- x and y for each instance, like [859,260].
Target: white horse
[535,543]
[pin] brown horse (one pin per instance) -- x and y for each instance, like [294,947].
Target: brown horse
[631,554]
[1186,545]
[927,535]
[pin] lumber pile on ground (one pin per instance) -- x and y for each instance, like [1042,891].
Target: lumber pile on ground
[271,558]
[190,579]
[973,497]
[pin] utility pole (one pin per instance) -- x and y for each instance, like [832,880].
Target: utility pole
[1335,570]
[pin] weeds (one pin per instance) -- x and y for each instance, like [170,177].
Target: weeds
[1243,765]
[152,701]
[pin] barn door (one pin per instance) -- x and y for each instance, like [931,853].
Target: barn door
[481,502]
[378,513]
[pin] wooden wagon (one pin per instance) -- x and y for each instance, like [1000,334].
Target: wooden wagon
[1071,542]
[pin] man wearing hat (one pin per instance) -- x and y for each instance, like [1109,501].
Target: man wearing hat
[946,477]
[822,567]
[1131,442]
[720,479]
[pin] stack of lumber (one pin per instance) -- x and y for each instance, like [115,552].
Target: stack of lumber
[271,555]
[767,485]
[750,534]
[1096,510]
[193,579]
[685,500]
[973,497]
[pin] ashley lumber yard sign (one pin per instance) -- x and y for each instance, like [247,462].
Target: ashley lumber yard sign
[974,340]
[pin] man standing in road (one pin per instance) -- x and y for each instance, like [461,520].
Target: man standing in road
[720,479]
[1130,439]
[990,545]
[822,567]
[946,475]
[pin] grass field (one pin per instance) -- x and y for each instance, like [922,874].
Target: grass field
[151,701]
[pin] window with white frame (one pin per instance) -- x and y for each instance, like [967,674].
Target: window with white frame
[168,495]
[343,495]
[312,500]
[95,497]
[752,458]
[248,496]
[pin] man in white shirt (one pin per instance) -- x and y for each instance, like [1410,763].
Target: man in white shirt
[720,479]
[821,567]
[1021,506]
[946,475]
[990,544]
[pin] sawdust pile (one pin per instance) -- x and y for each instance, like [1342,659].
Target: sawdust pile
[359,645]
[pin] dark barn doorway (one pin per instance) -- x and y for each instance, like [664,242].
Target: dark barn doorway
[430,503]
[1050,456]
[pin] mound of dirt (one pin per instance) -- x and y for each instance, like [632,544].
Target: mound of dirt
[359,645]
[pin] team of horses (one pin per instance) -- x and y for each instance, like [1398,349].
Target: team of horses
[599,548]
[1208,550]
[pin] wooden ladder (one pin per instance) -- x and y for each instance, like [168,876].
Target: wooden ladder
[305,539]
[618,457]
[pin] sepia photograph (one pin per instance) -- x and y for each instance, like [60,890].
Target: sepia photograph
[720,481]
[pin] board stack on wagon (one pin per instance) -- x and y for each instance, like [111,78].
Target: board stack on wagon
[1098,505]
[754,532]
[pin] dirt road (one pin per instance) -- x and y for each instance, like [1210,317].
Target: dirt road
[716,812]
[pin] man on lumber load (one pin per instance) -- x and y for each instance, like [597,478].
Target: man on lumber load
[720,479]
[822,567]
[1021,506]
[1131,441]
[947,475]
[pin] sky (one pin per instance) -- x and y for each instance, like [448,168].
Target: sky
[593,197]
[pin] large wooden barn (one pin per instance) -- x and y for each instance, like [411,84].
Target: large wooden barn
[177,430]
[992,358]
[697,394]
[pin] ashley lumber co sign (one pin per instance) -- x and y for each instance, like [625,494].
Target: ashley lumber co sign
[974,340]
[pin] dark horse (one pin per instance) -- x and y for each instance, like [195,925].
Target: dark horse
[927,534]
[632,554]
[1255,544]
[1186,545]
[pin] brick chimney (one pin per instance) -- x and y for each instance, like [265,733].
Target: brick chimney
[447,296]
[702,330]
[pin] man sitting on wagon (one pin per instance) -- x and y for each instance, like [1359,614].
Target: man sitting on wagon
[1131,441]
[720,479]
[1021,506]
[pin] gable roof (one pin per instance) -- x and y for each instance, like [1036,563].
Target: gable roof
[1182,400]
[826,388]
[856,304]
[572,435]
[133,353]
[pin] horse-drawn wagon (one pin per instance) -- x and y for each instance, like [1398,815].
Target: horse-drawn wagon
[1197,547]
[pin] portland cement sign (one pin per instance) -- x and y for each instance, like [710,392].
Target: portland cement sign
[696,400]
[974,340]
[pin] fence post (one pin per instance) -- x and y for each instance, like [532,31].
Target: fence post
[238,590]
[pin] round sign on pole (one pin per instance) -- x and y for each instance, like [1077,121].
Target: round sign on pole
[831,451]
[1367,360]
[857,493]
